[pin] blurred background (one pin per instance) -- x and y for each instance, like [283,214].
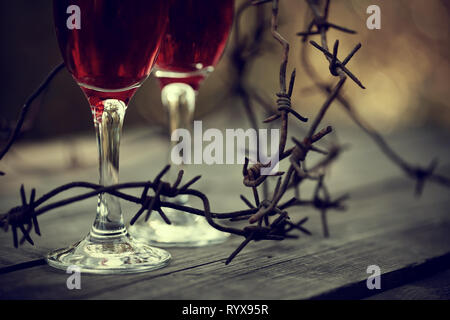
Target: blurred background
[405,67]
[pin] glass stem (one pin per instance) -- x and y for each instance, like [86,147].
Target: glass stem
[108,120]
[179,99]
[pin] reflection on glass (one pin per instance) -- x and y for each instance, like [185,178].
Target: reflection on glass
[110,55]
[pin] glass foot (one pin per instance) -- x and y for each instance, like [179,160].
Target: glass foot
[120,255]
[186,230]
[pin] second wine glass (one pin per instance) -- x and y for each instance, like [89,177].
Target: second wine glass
[195,39]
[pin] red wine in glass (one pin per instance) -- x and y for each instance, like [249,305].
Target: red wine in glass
[194,41]
[109,55]
[193,44]
[116,46]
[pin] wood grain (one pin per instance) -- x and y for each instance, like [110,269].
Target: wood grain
[384,225]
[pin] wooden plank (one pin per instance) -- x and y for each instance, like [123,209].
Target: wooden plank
[299,272]
[359,167]
[381,208]
[295,277]
[394,233]
[436,287]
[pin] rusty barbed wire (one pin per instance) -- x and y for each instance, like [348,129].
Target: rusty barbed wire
[26,107]
[320,22]
[418,173]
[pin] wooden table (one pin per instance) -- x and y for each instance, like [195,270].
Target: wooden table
[408,238]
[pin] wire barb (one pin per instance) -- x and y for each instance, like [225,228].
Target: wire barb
[335,64]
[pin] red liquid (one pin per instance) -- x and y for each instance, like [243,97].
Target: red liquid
[197,34]
[116,46]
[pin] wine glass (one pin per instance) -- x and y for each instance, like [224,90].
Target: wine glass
[109,51]
[195,39]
